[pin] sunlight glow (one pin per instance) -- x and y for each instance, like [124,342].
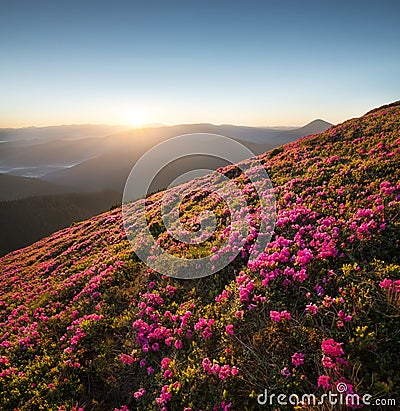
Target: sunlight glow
[136,119]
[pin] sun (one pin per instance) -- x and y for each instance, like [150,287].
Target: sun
[136,119]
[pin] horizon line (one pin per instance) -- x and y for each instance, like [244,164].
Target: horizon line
[159,125]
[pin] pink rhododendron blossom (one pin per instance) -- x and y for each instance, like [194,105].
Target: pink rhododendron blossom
[229,329]
[386,284]
[168,374]
[165,362]
[178,344]
[127,359]
[275,316]
[139,393]
[327,362]
[312,308]
[323,381]
[297,359]
[332,348]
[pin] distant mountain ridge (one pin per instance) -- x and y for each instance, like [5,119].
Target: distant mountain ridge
[103,161]
[110,169]
[69,132]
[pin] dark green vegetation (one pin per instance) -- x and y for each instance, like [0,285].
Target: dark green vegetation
[14,187]
[27,220]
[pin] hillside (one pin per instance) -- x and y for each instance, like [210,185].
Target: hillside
[87,326]
[27,220]
[13,187]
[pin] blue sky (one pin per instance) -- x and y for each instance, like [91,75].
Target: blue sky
[166,61]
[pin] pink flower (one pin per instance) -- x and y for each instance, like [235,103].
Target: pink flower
[304,256]
[327,362]
[229,329]
[139,393]
[300,275]
[224,372]
[239,314]
[200,324]
[386,284]
[169,340]
[165,362]
[297,359]
[312,308]
[275,316]
[164,397]
[332,348]
[387,188]
[127,359]
[278,316]
[206,363]
[323,381]
[168,374]
[344,317]
[206,334]
[178,344]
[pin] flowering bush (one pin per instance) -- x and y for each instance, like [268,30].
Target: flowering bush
[85,325]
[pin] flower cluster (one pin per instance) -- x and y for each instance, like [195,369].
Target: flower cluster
[222,371]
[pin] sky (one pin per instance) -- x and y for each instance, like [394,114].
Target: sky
[247,62]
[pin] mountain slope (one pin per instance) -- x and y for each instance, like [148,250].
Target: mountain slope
[13,187]
[27,220]
[86,324]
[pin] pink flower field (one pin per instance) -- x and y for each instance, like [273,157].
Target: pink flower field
[85,325]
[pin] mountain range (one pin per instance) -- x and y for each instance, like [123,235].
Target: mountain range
[103,161]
